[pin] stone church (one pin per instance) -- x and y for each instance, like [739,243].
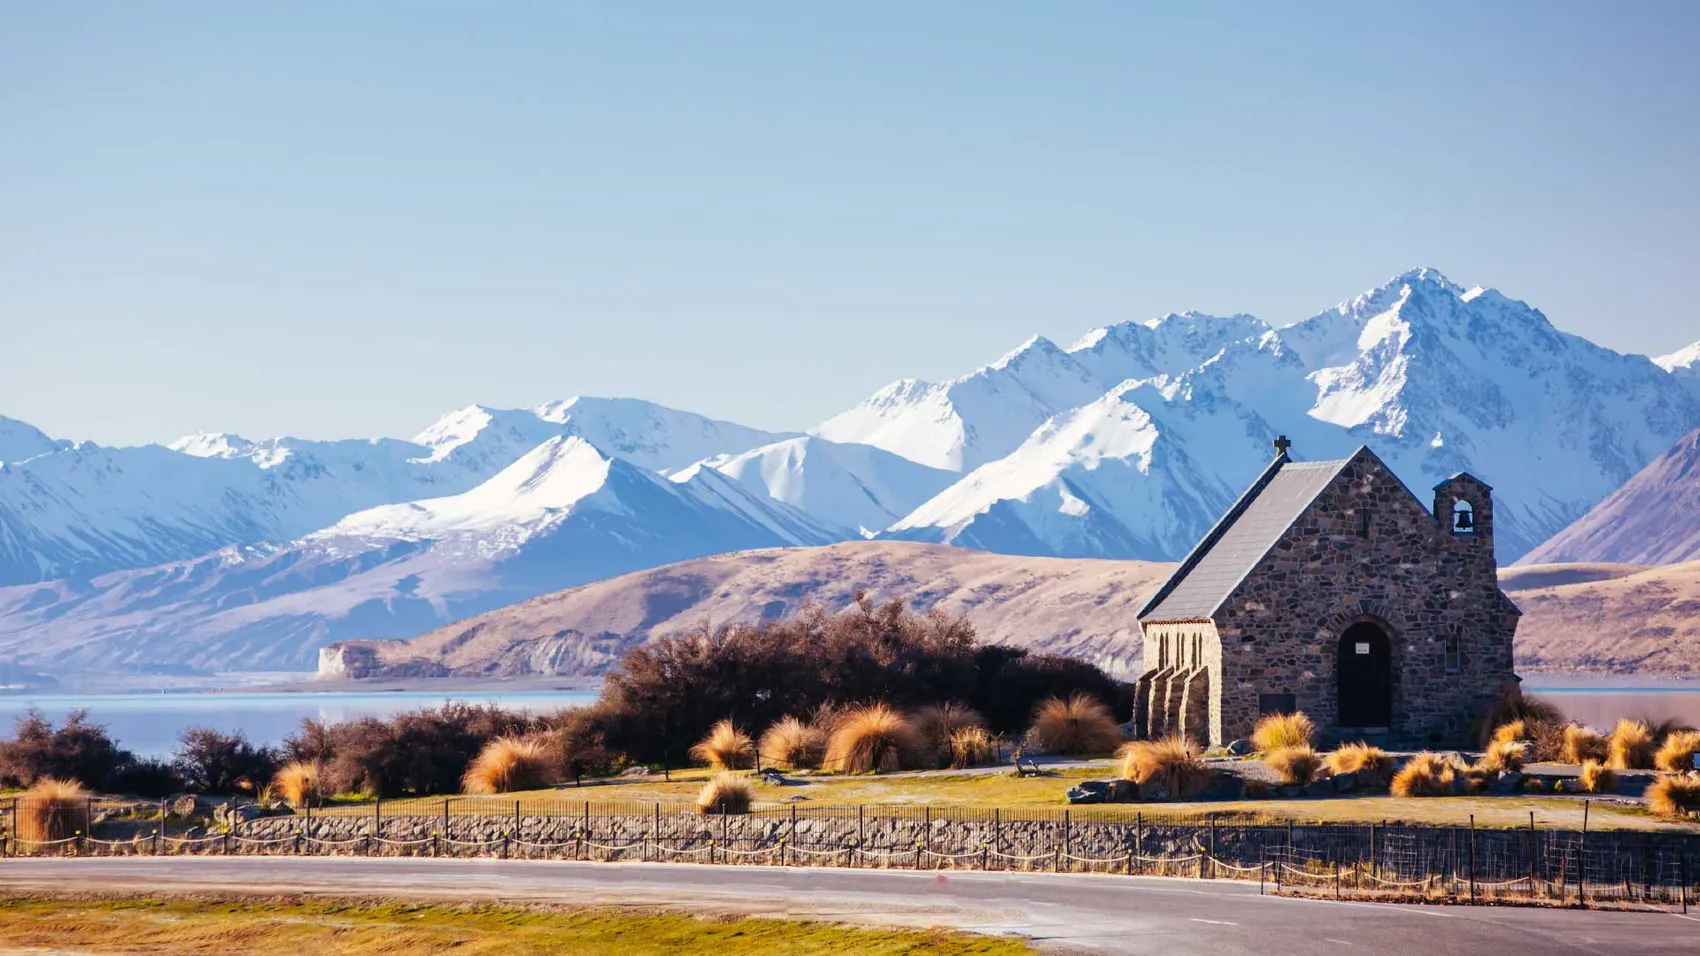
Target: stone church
[1328,588]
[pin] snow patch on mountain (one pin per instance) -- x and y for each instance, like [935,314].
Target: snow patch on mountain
[857,487]
[1684,364]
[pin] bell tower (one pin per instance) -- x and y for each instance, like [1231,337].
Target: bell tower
[1463,508]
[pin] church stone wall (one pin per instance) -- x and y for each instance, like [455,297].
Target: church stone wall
[1434,592]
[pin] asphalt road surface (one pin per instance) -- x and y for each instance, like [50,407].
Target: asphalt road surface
[1063,912]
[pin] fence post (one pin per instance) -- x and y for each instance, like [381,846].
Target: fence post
[1647,870]
[1682,875]
[861,819]
[1262,869]
[793,834]
[1212,846]
[1068,834]
[997,829]
[445,817]
[1372,870]
[1531,853]
[1472,858]
[1139,835]
[1582,860]
[657,826]
[518,826]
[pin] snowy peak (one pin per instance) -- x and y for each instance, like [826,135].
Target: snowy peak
[19,440]
[1684,362]
[856,487]
[544,483]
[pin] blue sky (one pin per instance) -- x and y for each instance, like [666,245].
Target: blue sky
[326,222]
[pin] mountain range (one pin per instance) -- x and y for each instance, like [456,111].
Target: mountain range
[226,553]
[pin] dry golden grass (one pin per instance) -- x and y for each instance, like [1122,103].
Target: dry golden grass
[1676,755]
[1630,746]
[792,744]
[872,739]
[1275,731]
[297,782]
[1366,760]
[1582,744]
[1295,766]
[507,764]
[52,810]
[1079,726]
[1510,732]
[1515,705]
[1596,777]
[329,926]
[726,793]
[1426,775]
[1504,754]
[1675,795]
[971,747]
[935,724]
[725,748]
[1171,764]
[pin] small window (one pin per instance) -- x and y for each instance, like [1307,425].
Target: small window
[1363,522]
[1453,658]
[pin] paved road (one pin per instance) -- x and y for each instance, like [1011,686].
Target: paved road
[1070,913]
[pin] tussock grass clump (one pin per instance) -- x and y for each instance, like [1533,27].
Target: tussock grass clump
[1079,726]
[1582,744]
[1366,760]
[1170,764]
[1630,746]
[1596,777]
[1674,796]
[1504,754]
[871,739]
[298,783]
[725,748]
[1676,755]
[726,793]
[52,809]
[935,724]
[1276,731]
[507,764]
[1510,732]
[971,747]
[1295,766]
[1426,775]
[792,744]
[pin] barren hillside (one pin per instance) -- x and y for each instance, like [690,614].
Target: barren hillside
[1584,618]
[1075,606]
[1639,621]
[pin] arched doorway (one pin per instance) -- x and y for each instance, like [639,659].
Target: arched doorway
[1364,677]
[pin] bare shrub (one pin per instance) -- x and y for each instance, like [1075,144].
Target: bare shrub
[1630,746]
[1170,765]
[507,764]
[935,724]
[1582,744]
[213,761]
[1365,760]
[1676,754]
[792,744]
[52,810]
[872,739]
[75,750]
[1597,778]
[1080,725]
[725,747]
[1295,766]
[725,793]
[1276,731]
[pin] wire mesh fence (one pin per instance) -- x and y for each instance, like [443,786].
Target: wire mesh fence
[1469,864]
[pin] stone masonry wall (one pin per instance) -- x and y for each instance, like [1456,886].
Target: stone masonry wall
[1412,576]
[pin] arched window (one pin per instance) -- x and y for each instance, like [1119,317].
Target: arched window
[1463,518]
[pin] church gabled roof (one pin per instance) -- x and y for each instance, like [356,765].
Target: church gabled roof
[1229,551]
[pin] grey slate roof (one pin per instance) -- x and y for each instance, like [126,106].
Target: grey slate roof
[1244,535]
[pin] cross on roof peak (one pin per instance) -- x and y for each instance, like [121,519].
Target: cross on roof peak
[1281,445]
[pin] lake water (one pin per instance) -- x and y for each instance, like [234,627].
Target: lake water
[149,724]
[1600,707]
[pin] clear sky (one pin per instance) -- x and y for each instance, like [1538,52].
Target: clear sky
[343,219]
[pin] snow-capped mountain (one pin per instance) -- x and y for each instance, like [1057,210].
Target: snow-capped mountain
[75,510]
[1436,377]
[857,487]
[1684,364]
[562,515]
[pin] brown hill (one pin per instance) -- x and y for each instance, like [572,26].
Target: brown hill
[1653,519]
[1606,620]
[1082,607]
[1583,618]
